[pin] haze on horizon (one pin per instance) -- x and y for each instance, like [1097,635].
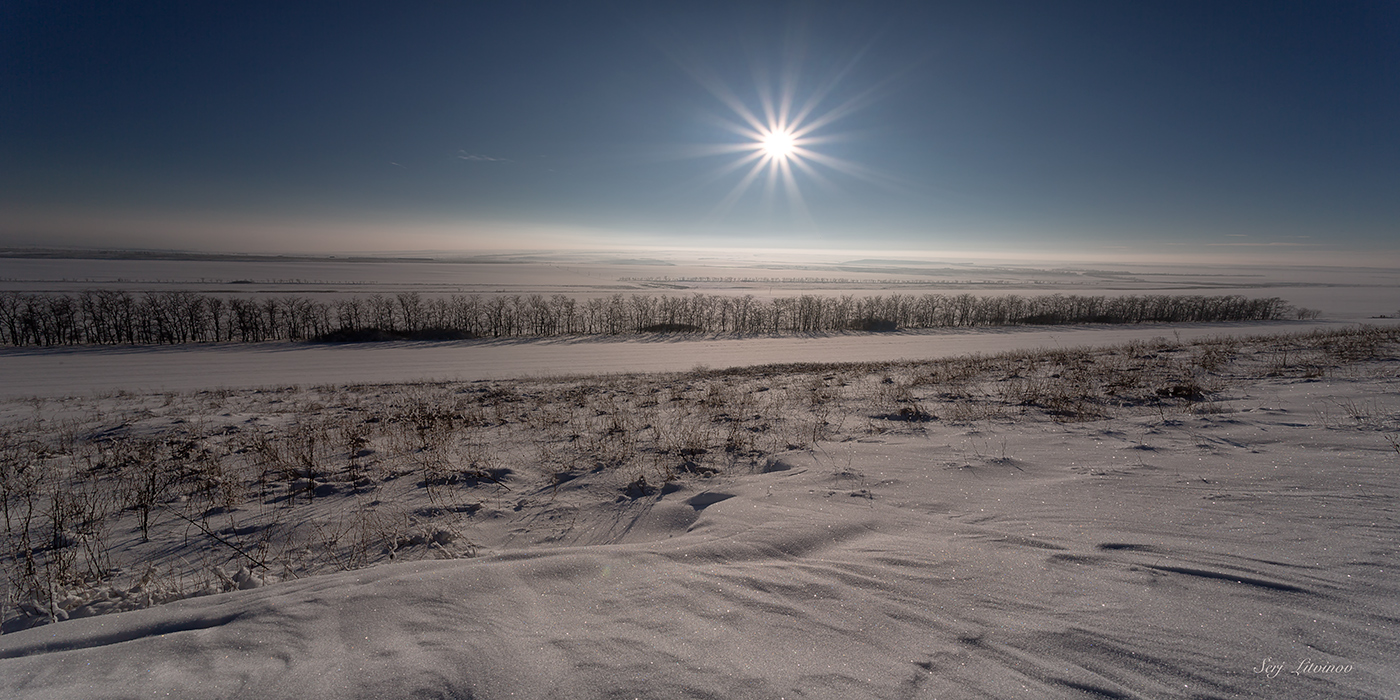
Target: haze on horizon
[1176,131]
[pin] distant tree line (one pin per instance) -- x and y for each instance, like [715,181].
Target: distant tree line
[106,317]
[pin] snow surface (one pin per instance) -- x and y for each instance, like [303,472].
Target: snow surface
[1154,555]
[1241,549]
[52,372]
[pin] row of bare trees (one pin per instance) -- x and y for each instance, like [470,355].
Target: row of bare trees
[173,317]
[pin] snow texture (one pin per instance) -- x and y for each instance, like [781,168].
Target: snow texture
[1156,556]
[1238,546]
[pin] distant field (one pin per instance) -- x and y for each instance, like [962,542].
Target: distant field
[1339,293]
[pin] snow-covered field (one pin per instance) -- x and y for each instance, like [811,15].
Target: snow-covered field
[931,514]
[53,372]
[1161,519]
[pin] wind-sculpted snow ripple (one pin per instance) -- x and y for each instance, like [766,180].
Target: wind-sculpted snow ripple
[861,570]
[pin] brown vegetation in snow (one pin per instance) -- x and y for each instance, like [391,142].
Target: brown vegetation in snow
[119,502]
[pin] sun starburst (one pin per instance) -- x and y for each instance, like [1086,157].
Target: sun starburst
[778,144]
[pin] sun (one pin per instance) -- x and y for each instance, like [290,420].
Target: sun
[780,134]
[778,144]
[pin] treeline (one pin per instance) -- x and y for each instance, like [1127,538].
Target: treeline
[173,317]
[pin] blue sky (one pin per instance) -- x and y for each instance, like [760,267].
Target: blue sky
[1214,130]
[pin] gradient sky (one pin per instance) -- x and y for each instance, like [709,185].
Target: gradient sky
[1247,130]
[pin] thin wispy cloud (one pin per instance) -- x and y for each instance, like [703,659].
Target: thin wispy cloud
[1258,244]
[463,155]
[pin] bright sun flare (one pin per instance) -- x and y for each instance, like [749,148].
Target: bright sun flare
[777,141]
[778,144]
